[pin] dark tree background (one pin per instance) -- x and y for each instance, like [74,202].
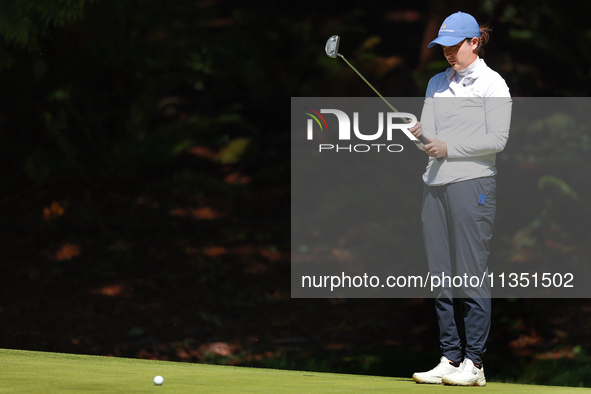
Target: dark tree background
[145,188]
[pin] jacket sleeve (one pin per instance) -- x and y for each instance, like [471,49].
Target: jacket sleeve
[497,117]
[427,115]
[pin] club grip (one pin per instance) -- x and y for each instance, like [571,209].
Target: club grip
[426,141]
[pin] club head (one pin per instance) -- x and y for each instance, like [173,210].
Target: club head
[332,46]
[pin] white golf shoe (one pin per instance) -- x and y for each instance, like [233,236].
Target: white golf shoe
[466,375]
[434,376]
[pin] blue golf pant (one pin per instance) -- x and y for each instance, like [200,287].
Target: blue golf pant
[458,220]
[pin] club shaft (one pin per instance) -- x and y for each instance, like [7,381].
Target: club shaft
[371,86]
[424,140]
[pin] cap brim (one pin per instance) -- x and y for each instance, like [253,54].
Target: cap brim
[445,41]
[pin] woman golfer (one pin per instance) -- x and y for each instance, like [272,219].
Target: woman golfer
[466,116]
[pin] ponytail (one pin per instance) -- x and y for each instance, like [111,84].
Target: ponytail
[484,37]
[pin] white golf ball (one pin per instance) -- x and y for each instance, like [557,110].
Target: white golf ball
[158,380]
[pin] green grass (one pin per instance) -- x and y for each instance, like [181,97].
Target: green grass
[41,372]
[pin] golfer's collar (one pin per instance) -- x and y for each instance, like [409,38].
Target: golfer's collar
[473,71]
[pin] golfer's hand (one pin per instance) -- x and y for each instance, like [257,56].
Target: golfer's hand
[436,148]
[416,130]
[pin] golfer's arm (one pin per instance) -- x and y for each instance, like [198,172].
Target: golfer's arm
[498,121]
[427,121]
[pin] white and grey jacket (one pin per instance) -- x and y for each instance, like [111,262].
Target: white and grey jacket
[470,110]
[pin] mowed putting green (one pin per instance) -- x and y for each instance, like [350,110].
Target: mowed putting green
[41,372]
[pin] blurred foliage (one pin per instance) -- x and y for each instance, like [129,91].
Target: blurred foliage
[540,38]
[540,167]
[121,88]
[23,23]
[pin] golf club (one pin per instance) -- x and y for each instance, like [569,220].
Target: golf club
[332,50]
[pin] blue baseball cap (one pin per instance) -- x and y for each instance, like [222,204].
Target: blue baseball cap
[456,28]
